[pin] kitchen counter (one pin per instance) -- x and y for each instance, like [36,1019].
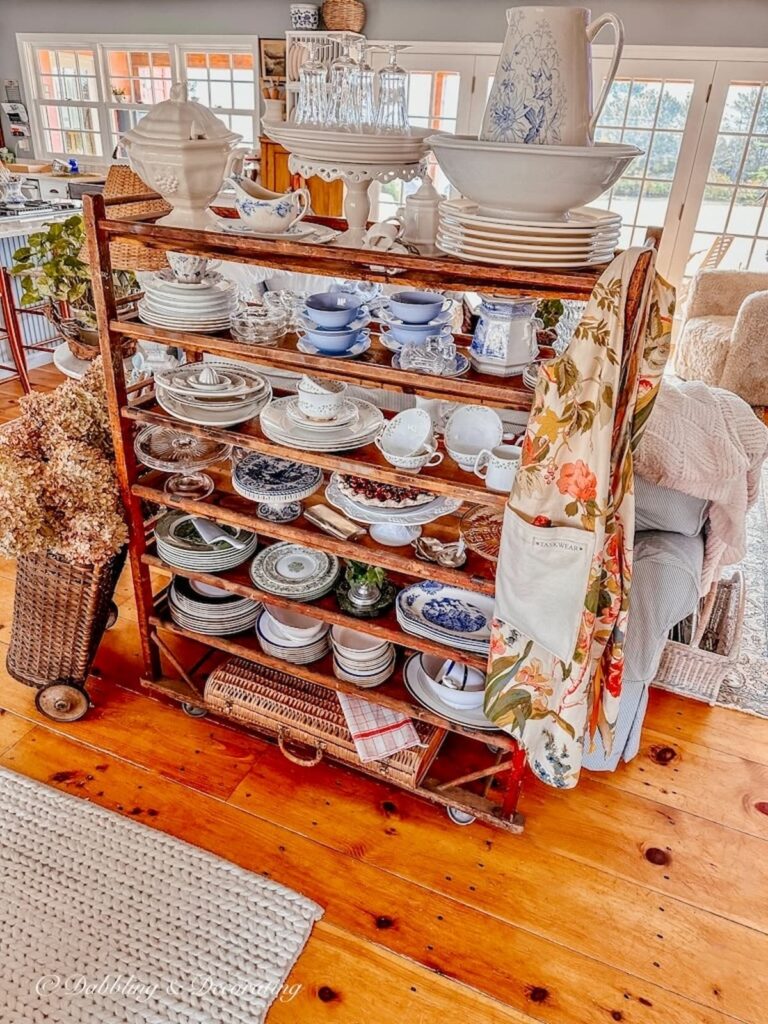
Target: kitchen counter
[21,227]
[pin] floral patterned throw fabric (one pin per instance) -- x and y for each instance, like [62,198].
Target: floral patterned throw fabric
[565,565]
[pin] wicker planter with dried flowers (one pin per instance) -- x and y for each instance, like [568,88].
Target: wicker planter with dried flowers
[60,516]
[344,15]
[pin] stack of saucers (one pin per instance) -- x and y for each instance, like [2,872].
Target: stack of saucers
[205,306]
[361,659]
[286,634]
[212,394]
[180,544]
[202,608]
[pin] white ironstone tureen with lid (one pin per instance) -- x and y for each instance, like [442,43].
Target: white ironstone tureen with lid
[184,152]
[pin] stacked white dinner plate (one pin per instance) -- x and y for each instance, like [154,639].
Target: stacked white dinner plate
[360,658]
[290,570]
[280,641]
[417,515]
[324,144]
[456,617]
[203,608]
[216,394]
[362,421]
[205,307]
[589,237]
[179,544]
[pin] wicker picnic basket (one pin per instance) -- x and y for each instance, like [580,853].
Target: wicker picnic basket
[127,254]
[301,713]
[699,669]
[60,612]
[343,15]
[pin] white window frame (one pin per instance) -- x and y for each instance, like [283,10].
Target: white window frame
[28,42]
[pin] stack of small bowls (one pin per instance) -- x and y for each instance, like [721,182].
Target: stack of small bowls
[258,325]
[361,659]
[335,324]
[284,633]
[407,442]
[410,317]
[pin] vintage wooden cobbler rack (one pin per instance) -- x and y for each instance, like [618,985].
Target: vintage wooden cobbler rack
[476,773]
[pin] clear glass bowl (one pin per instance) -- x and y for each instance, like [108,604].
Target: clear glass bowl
[258,325]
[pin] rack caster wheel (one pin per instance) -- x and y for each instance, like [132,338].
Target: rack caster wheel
[62,702]
[111,616]
[193,710]
[493,748]
[460,817]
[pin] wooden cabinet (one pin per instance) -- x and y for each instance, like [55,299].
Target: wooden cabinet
[327,197]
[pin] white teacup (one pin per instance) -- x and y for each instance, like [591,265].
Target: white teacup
[322,404]
[189,269]
[498,467]
[409,433]
[430,456]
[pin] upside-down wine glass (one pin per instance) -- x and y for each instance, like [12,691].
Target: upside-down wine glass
[312,104]
[392,113]
[341,110]
[365,90]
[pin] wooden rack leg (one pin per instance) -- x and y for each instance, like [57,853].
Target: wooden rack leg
[175,662]
[512,783]
[12,329]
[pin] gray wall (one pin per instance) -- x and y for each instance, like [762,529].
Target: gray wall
[669,22]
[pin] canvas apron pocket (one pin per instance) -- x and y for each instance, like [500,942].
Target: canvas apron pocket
[541,581]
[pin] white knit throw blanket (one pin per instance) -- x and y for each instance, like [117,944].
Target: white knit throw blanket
[709,443]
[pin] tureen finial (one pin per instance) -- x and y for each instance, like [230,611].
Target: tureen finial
[179,92]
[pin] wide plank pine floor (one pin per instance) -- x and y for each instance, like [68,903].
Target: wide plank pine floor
[640,897]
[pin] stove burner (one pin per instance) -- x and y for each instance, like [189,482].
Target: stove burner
[36,206]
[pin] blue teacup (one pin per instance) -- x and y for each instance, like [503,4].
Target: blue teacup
[415,334]
[417,307]
[335,343]
[333,310]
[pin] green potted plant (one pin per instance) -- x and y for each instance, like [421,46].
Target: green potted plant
[549,312]
[61,518]
[364,583]
[52,273]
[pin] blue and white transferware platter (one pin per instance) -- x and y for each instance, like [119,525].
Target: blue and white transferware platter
[450,613]
[275,481]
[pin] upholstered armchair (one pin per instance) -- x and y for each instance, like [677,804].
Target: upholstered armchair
[724,340]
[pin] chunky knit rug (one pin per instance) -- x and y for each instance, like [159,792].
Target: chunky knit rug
[106,921]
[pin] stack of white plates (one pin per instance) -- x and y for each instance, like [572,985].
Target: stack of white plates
[214,394]
[325,144]
[179,544]
[281,641]
[204,307]
[411,516]
[274,481]
[589,237]
[361,659]
[456,617]
[359,424]
[290,570]
[203,608]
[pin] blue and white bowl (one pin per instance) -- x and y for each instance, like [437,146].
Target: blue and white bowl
[304,16]
[334,310]
[418,307]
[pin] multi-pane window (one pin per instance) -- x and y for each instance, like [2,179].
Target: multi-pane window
[135,80]
[650,114]
[68,90]
[225,82]
[733,215]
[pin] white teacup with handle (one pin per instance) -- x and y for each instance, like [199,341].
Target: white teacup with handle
[498,467]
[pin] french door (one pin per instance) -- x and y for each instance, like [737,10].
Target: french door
[725,218]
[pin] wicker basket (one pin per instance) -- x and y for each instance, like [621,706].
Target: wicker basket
[699,669]
[344,15]
[60,612]
[125,253]
[300,712]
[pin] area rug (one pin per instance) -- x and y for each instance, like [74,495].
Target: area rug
[750,692]
[106,921]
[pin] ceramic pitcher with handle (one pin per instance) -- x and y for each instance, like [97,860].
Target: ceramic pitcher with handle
[542,92]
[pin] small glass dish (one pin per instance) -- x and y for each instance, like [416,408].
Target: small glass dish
[258,325]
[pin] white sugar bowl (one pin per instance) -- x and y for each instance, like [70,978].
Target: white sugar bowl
[183,152]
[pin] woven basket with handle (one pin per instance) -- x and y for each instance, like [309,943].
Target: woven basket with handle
[344,15]
[125,253]
[303,714]
[60,611]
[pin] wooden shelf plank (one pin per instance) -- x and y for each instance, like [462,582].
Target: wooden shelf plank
[225,506]
[367,461]
[326,609]
[433,272]
[391,694]
[372,367]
